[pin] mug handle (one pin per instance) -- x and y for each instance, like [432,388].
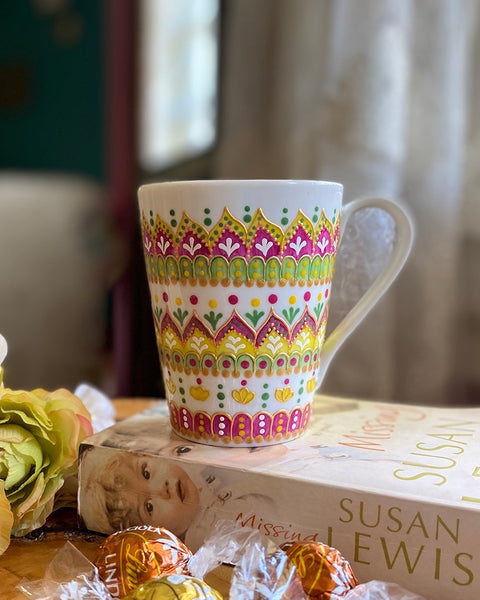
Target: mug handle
[400,251]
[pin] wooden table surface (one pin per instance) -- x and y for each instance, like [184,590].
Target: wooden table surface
[28,557]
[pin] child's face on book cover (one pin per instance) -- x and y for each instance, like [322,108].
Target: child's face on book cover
[139,490]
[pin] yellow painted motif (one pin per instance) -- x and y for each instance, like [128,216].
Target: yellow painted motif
[243,396]
[199,393]
[284,394]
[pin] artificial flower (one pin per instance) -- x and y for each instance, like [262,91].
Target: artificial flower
[40,433]
[6,520]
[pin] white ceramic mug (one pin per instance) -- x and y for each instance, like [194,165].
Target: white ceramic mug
[240,274]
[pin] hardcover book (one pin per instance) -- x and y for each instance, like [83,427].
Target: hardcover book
[395,488]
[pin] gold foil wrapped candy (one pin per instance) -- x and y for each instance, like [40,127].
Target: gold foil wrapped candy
[174,587]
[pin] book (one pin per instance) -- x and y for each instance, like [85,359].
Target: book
[394,487]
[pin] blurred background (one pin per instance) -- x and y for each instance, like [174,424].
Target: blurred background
[100,96]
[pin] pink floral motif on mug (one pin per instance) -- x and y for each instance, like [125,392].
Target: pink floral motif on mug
[241,428]
[231,252]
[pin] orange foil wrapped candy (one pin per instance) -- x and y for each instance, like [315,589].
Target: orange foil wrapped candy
[323,570]
[129,557]
[174,587]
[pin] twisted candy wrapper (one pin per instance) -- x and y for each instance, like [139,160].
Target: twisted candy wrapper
[69,576]
[261,570]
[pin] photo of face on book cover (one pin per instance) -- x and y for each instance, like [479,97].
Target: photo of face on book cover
[124,488]
[127,483]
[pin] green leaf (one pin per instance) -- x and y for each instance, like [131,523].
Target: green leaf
[180,315]
[318,310]
[255,316]
[213,318]
[290,314]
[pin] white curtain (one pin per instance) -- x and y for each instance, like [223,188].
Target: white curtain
[382,96]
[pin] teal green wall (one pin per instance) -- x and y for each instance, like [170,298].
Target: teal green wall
[57,123]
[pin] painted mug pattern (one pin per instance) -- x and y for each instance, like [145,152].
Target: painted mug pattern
[240,289]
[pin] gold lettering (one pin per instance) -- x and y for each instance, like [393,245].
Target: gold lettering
[329,536]
[454,536]
[442,478]
[358,547]
[343,501]
[305,561]
[394,519]
[403,548]
[438,555]
[134,566]
[465,569]
[421,524]
[362,519]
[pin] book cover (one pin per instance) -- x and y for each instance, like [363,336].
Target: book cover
[395,488]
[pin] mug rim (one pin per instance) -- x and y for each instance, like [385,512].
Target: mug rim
[241,183]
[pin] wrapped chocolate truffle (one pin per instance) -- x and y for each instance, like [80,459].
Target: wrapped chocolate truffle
[324,572]
[132,556]
[262,571]
[174,587]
